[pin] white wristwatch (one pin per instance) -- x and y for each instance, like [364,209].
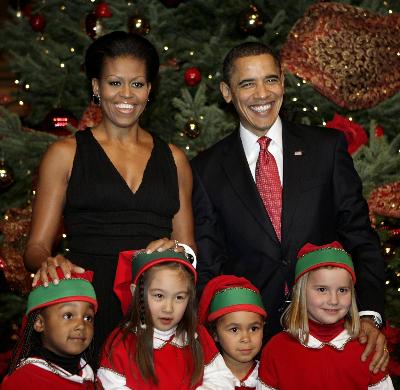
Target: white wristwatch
[374,316]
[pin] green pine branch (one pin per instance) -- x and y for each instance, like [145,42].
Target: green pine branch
[379,162]
[21,150]
[214,122]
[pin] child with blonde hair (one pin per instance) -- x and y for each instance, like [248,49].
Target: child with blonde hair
[159,345]
[232,310]
[319,348]
[56,334]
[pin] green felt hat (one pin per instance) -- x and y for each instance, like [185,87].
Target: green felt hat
[132,264]
[312,256]
[76,288]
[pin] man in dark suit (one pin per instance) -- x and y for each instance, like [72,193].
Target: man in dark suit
[321,197]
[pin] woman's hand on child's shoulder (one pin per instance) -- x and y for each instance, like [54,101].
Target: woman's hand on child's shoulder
[48,268]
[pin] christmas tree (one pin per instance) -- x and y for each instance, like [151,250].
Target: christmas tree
[348,79]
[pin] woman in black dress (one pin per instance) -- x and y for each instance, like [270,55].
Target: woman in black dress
[117,185]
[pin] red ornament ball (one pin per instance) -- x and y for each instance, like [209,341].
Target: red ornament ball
[56,122]
[379,132]
[93,26]
[192,76]
[102,10]
[90,25]
[6,176]
[37,22]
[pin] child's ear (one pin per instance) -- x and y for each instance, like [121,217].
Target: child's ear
[215,337]
[133,288]
[38,325]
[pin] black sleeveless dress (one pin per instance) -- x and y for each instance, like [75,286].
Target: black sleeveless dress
[102,216]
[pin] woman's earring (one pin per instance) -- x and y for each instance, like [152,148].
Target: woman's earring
[96,99]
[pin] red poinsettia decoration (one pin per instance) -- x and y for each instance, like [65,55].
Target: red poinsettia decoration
[392,335]
[393,339]
[354,133]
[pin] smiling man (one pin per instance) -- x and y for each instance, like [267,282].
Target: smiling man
[271,186]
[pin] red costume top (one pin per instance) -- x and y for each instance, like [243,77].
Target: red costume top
[36,373]
[324,363]
[172,361]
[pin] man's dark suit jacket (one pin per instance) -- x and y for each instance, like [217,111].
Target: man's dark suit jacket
[322,202]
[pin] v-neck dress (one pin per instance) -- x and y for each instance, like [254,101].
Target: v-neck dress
[102,216]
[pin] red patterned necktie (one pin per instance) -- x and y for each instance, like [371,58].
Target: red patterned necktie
[269,185]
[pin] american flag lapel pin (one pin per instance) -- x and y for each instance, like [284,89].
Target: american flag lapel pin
[298,153]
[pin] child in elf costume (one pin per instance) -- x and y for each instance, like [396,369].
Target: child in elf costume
[159,345]
[57,330]
[232,310]
[319,348]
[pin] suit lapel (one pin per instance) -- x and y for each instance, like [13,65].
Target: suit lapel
[238,172]
[294,153]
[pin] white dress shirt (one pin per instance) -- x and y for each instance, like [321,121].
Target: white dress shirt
[252,147]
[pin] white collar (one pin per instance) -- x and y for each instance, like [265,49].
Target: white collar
[249,139]
[339,342]
[251,380]
[161,338]
[87,372]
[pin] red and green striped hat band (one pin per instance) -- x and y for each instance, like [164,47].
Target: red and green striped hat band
[235,299]
[143,261]
[66,290]
[324,257]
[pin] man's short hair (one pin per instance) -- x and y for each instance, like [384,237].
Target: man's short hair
[245,49]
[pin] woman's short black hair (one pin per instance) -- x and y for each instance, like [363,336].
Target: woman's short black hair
[121,44]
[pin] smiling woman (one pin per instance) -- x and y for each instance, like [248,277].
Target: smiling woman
[124,90]
[117,185]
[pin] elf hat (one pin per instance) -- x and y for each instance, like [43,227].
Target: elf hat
[312,256]
[227,294]
[132,264]
[76,288]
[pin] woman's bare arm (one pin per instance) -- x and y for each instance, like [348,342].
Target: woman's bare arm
[48,206]
[182,223]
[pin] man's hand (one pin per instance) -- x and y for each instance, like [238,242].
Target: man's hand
[376,341]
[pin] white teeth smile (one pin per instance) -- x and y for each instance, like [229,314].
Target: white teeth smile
[124,106]
[263,108]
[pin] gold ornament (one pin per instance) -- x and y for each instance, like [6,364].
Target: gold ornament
[138,24]
[6,175]
[191,129]
[251,21]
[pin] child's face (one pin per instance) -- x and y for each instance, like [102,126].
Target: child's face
[66,328]
[168,297]
[240,336]
[328,295]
